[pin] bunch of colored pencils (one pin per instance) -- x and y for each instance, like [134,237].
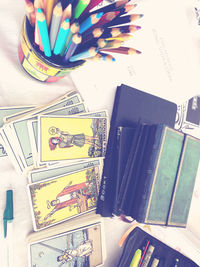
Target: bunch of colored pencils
[79,30]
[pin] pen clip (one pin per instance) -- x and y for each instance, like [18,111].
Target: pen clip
[8,212]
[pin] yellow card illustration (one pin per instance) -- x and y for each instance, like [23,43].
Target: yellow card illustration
[64,197]
[62,138]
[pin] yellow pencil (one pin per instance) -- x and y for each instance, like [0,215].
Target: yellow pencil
[49,10]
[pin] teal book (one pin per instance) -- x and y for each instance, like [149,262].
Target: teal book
[167,180]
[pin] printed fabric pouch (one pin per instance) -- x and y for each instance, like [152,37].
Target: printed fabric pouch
[143,250]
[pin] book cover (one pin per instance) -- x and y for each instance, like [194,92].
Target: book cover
[160,176]
[130,106]
[185,181]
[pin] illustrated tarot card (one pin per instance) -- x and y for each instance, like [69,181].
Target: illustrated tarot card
[81,247]
[42,174]
[63,138]
[61,198]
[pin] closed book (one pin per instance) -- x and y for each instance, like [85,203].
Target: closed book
[130,107]
[168,177]
[185,181]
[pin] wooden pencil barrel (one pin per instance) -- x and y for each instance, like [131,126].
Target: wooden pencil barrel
[36,64]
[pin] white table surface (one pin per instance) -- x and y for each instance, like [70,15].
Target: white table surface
[16,89]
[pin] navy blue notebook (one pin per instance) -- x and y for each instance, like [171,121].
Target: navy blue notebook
[131,106]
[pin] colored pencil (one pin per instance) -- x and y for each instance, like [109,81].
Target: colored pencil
[128,28]
[30,10]
[92,4]
[113,44]
[42,26]
[106,18]
[98,43]
[76,40]
[67,12]
[49,9]
[89,22]
[74,28]
[126,9]
[121,37]
[81,5]
[55,24]
[90,52]
[111,7]
[122,50]
[107,57]
[96,33]
[111,32]
[62,36]
[124,19]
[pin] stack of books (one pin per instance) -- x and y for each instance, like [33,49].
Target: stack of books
[150,168]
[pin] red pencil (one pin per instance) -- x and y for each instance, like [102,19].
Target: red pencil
[122,50]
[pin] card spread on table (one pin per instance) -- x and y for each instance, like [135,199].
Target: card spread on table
[63,138]
[61,198]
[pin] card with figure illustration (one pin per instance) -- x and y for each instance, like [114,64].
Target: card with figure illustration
[80,247]
[61,198]
[63,138]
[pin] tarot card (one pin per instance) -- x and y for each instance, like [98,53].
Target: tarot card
[64,197]
[19,129]
[63,138]
[5,111]
[33,128]
[80,247]
[11,150]
[63,169]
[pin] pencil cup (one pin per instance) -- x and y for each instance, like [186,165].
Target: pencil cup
[36,64]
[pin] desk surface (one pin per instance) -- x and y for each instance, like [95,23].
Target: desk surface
[98,89]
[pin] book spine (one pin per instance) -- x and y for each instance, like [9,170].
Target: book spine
[148,175]
[105,198]
[115,206]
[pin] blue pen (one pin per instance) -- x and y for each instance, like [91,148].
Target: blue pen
[7,219]
[8,212]
[89,22]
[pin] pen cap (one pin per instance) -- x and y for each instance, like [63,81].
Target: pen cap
[8,212]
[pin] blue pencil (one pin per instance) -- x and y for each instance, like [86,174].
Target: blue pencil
[76,40]
[42,26]
[91,52]
[62,37]
[89,22]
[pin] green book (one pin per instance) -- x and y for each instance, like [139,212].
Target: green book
[168,179]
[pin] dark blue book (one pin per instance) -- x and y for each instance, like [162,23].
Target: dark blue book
[130,107]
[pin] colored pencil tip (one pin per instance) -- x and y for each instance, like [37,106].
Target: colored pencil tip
[138,27]
[113,59]
[39,10]
[141,15]
[138,52]
[100,14]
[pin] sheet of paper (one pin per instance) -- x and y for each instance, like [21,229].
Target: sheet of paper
[164,66]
